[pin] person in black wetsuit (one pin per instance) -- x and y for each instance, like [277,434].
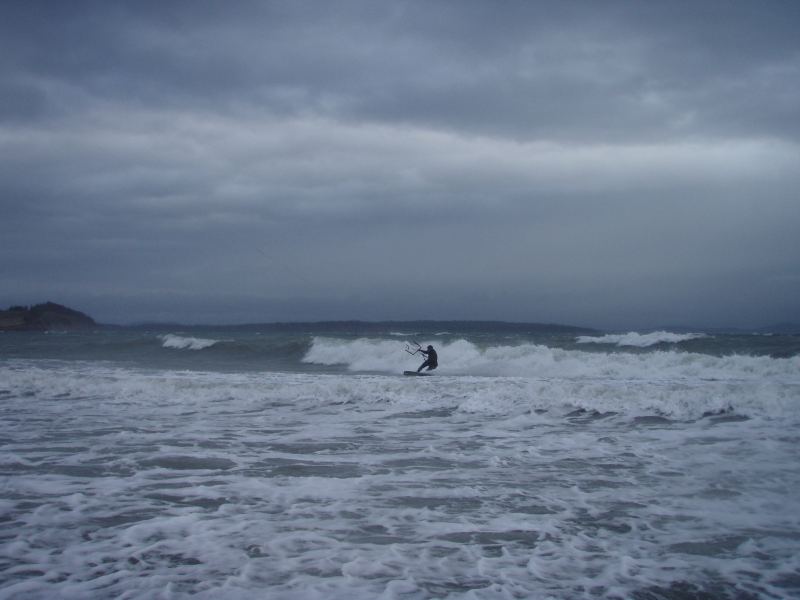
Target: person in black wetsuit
[431,360]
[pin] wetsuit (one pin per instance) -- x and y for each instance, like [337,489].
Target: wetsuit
[432,361]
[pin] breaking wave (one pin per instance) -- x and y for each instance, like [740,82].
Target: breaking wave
[461,357]
[178,342]
[504,379]
[641,340]
[664,387]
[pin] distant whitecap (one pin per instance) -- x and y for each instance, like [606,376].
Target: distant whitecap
[641,340]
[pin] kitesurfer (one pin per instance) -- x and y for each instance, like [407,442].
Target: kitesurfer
[431,360]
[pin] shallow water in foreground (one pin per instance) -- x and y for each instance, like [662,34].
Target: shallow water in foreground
[121,482]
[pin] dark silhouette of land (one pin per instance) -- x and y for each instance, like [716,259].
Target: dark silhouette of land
[43,317]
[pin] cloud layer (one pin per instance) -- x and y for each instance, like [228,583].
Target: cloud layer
[630,164]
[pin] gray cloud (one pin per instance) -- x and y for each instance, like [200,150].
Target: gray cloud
[630,164]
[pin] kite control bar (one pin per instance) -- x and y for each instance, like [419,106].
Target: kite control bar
[419,348]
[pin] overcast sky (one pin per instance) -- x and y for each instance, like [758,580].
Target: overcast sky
[610,164]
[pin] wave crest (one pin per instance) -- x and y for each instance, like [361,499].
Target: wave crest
[461,357]
[178,342]
[640,340]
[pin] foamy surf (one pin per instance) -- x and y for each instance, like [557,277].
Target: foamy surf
[305,466]
[461,357]
[144,483]
[628,398]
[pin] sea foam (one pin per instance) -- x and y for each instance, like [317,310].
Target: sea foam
[685,398]
[147,483]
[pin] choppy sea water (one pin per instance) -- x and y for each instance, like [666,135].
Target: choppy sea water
[607,467]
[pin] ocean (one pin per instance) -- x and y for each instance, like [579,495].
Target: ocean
[249,463]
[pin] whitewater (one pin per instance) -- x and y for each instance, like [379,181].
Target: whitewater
[203,463]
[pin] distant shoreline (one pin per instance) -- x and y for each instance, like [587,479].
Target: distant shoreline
[356,326]
[50,316]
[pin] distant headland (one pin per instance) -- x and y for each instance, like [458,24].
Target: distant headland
[43,317]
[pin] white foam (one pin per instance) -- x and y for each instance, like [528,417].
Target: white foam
[367,486]
[676,385]
[178,342]
[461,357]
[514,379]
[362,354]
[640,340]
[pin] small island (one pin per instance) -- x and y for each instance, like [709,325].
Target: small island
[43,317]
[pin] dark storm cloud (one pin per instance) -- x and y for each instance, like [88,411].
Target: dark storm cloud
[563,70]
[614,163]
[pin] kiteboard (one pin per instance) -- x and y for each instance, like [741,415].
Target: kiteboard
[415,373]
